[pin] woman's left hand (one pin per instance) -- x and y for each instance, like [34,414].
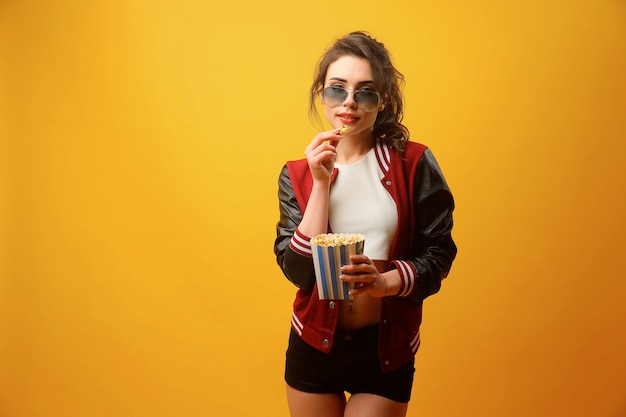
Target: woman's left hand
[364,274]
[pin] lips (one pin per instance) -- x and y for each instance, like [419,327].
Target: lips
[347,118]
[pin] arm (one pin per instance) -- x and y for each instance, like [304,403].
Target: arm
[295,229]
[433,248]
[292,250]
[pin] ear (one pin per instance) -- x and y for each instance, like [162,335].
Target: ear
[382,104]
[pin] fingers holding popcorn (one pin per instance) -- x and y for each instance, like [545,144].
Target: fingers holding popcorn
[321,154]
[363,273]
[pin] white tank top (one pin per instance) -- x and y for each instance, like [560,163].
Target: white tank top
[360,204]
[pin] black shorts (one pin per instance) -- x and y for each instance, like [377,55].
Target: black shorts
[351,366]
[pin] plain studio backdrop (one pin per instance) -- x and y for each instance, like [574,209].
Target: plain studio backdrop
[141,143]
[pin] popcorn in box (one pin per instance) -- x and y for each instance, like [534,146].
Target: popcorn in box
[331,251]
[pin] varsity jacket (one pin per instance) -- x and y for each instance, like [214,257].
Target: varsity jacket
[422,250]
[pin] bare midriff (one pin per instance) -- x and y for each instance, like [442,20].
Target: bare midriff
[363,310]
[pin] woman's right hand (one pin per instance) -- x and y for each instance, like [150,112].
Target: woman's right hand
[321,154]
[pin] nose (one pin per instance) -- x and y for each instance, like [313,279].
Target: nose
[349,101]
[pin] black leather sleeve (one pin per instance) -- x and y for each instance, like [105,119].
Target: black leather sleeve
[433,246]
[296,267]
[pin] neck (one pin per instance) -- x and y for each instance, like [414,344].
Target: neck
[351,148]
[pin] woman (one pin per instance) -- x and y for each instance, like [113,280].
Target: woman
[369,180]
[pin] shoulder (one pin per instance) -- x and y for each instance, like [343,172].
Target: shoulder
[414,150]
[297,163]
[297,169]
[297,176]
[411,157]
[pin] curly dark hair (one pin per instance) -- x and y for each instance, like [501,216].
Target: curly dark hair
[387,79]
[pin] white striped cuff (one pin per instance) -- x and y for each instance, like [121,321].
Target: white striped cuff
[408,274]
[301,244]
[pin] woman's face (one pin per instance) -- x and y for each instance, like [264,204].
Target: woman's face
[351,73]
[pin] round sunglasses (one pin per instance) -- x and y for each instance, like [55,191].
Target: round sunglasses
[366,99]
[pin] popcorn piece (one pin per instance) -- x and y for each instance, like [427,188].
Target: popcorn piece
[343,130]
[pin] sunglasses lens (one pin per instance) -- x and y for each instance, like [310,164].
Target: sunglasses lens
[334,96]
[366,100]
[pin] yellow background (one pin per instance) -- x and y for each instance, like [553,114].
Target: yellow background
[141,144]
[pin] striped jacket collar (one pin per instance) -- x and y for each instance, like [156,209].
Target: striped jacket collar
[383,156]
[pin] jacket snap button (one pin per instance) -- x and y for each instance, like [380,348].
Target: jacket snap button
[331,304]
[388,182]
[387,362]
[325,342]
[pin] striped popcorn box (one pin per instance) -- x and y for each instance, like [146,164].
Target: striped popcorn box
[330,252]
